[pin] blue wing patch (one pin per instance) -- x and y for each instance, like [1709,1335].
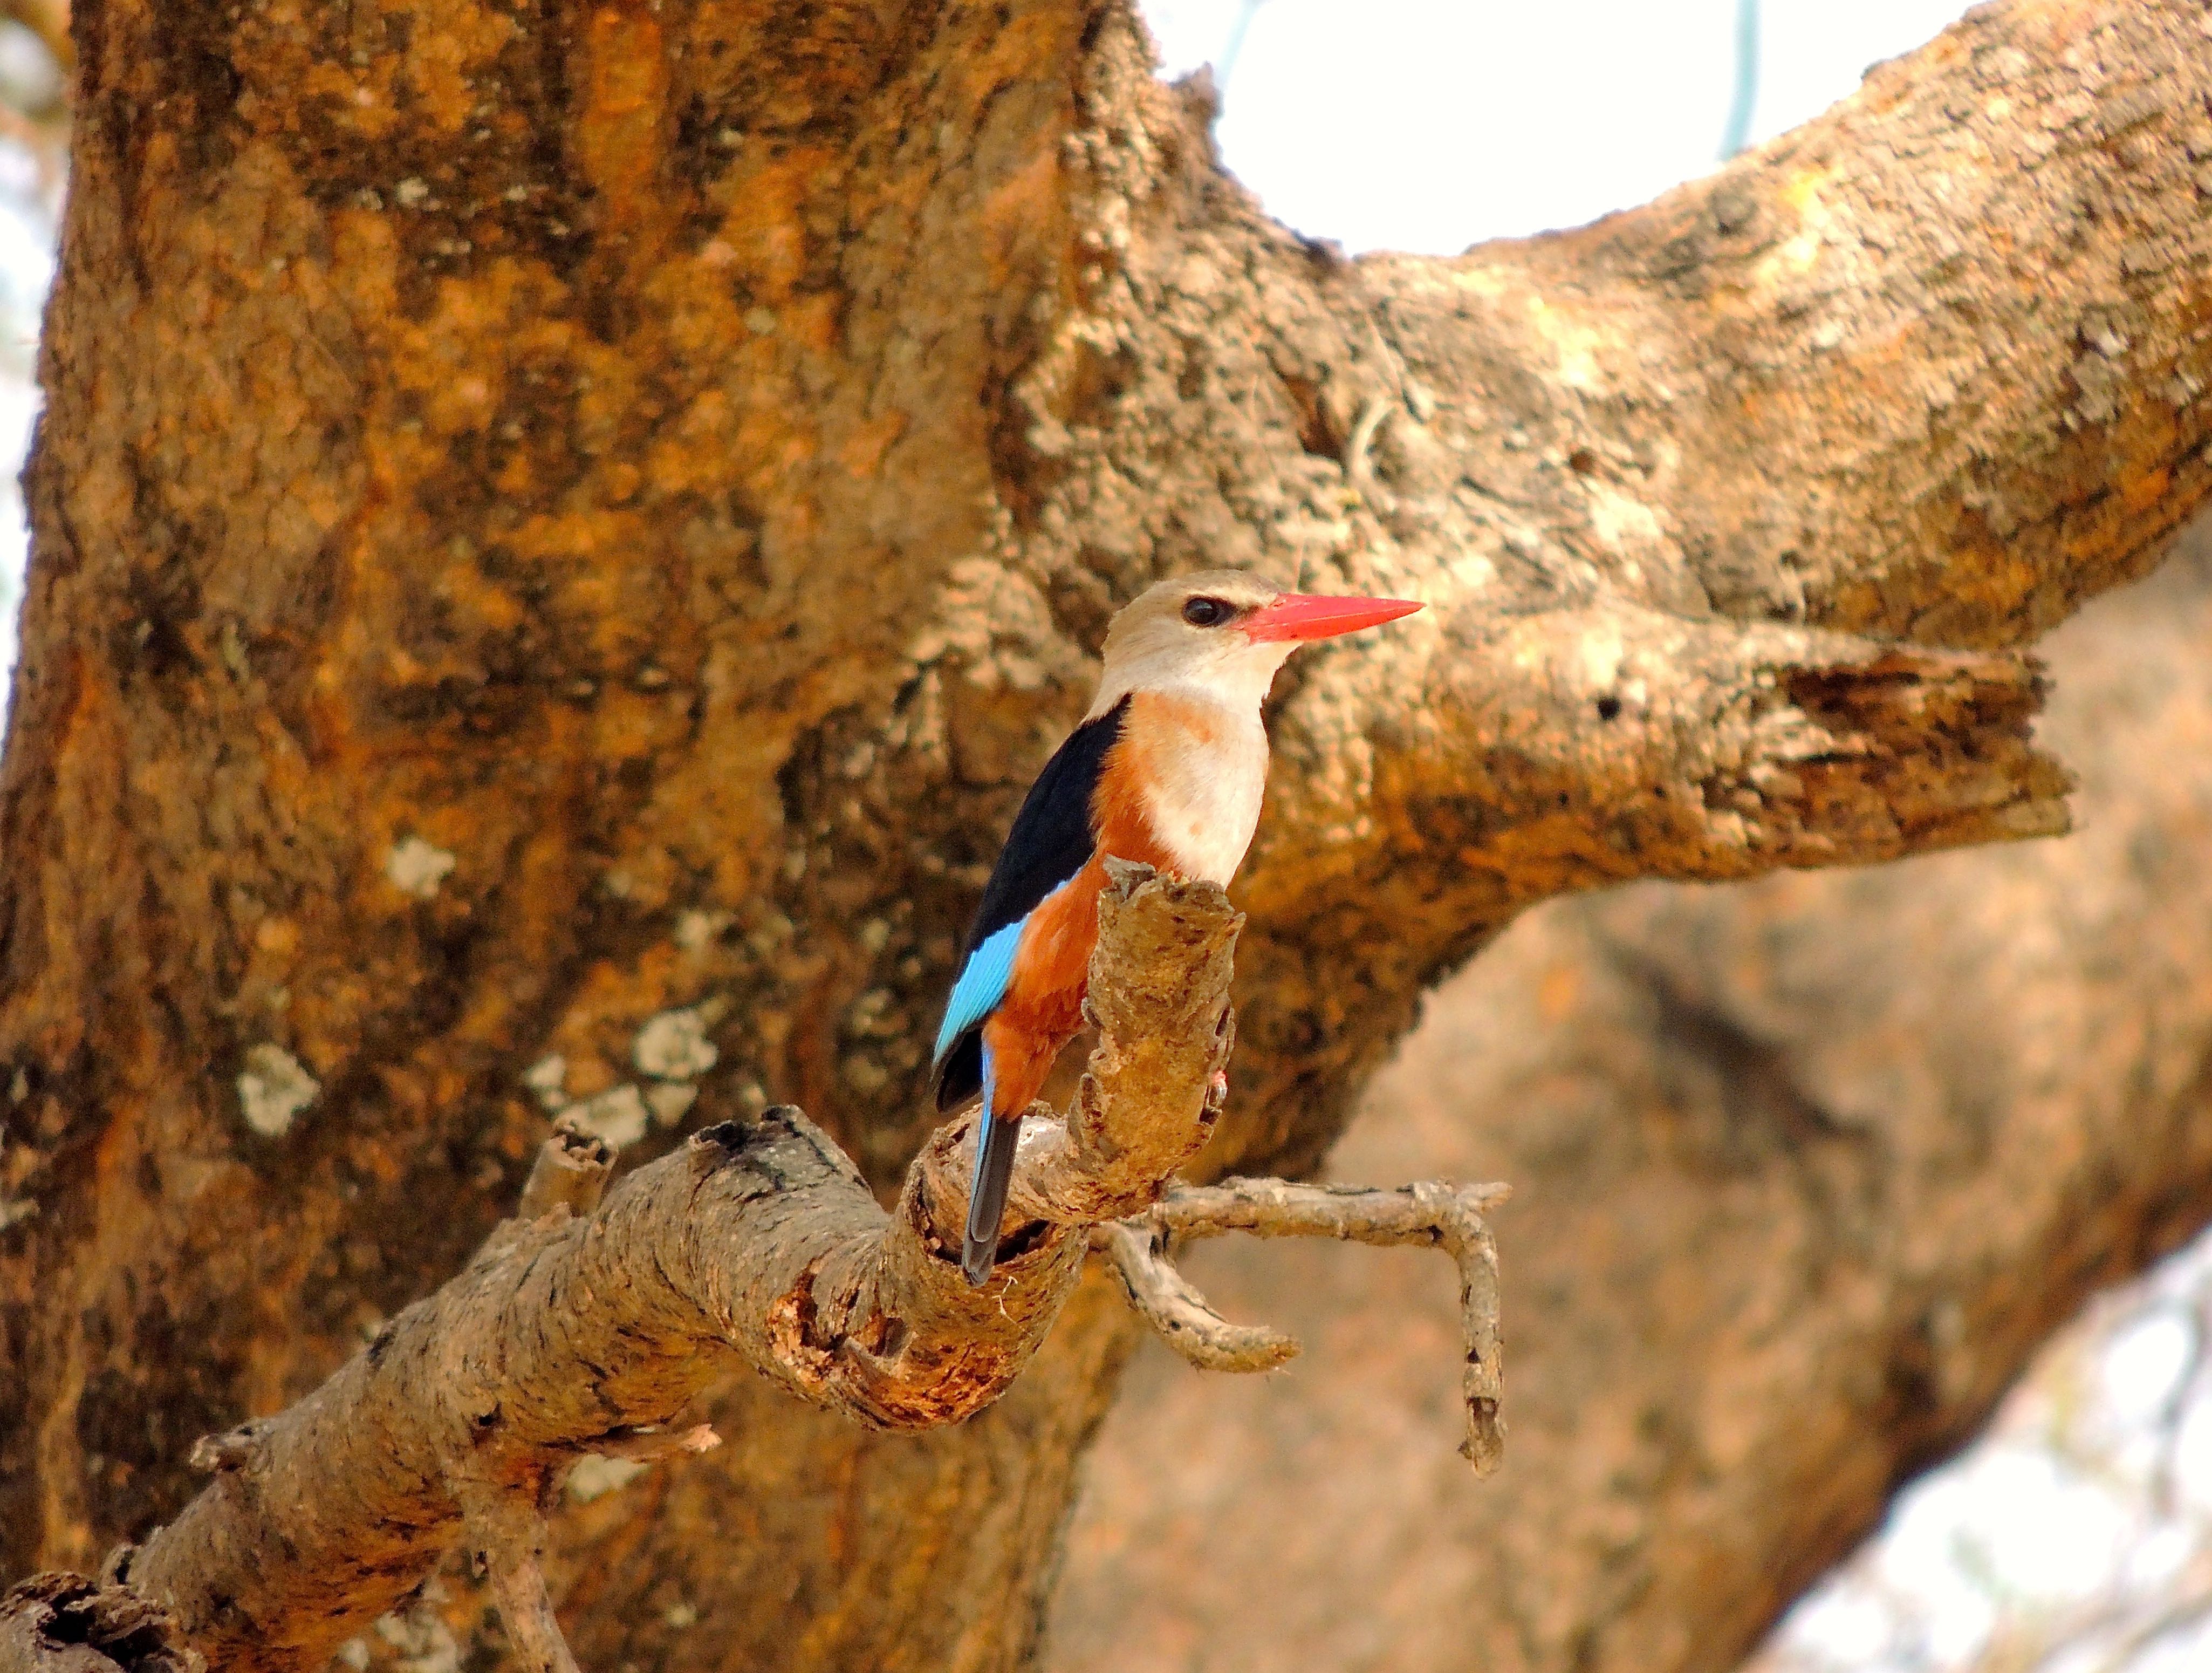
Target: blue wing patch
[1050,842]
[982,984]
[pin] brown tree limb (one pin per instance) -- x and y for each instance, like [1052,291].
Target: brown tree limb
[1732,508]
[1432,1214]
[571,1333]
[586,1324]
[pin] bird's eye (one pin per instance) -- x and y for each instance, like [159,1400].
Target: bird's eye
[1207,612]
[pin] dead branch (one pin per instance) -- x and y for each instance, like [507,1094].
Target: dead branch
[1432,1214]
[571,1169]
[67,1624]
[587,1326]
[651,1445]
[1185,1319]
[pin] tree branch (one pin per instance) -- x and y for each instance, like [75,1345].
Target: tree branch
[1713,750]
[578,1326]
[1432,1214]
[1730,508]
[505,1534]
[1184,1319]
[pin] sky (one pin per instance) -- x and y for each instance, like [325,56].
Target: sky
[26,234]
[1428,125]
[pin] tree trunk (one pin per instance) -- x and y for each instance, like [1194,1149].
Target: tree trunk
[561,534]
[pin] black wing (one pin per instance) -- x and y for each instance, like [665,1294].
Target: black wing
[1051,841]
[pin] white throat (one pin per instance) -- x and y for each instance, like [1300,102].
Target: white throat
[1235,675]
[1202,749]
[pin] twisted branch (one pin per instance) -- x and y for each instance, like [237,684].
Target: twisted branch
[1432,1214]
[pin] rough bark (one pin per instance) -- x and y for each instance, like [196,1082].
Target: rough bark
[560,534]
[1803,1172]
[759,1242]
[584,1329]
[59,1623]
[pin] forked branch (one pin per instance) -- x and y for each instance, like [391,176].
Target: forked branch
[1432,1214]
[586,1325]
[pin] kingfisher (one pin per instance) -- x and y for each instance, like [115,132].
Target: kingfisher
[1167,768]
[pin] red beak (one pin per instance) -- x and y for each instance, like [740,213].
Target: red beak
[1309,616]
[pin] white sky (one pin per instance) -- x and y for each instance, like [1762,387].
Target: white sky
[27,235]
[1431,124]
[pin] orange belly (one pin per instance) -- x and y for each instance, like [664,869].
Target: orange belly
[1043,1009]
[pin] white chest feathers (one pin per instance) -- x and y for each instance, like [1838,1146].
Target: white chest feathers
[1203,771]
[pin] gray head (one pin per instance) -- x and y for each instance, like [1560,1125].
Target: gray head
[1221,634]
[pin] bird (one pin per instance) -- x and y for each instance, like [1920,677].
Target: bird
[1167,768]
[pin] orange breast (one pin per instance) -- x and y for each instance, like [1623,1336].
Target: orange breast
[1043,1010]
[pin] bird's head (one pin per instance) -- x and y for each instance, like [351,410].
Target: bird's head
[1224,632]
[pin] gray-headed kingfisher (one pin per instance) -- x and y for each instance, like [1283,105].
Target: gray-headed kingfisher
[1168,768]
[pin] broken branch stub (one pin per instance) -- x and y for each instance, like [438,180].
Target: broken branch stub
[572,1170]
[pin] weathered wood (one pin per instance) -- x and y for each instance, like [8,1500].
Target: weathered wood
[757,1241]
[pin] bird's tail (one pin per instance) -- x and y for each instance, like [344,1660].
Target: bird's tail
[986,1196]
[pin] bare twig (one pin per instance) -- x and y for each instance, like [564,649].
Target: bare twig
[506,1534]
[651,1445]
[1185,1319]
[1433,1214]
[2189,1605]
